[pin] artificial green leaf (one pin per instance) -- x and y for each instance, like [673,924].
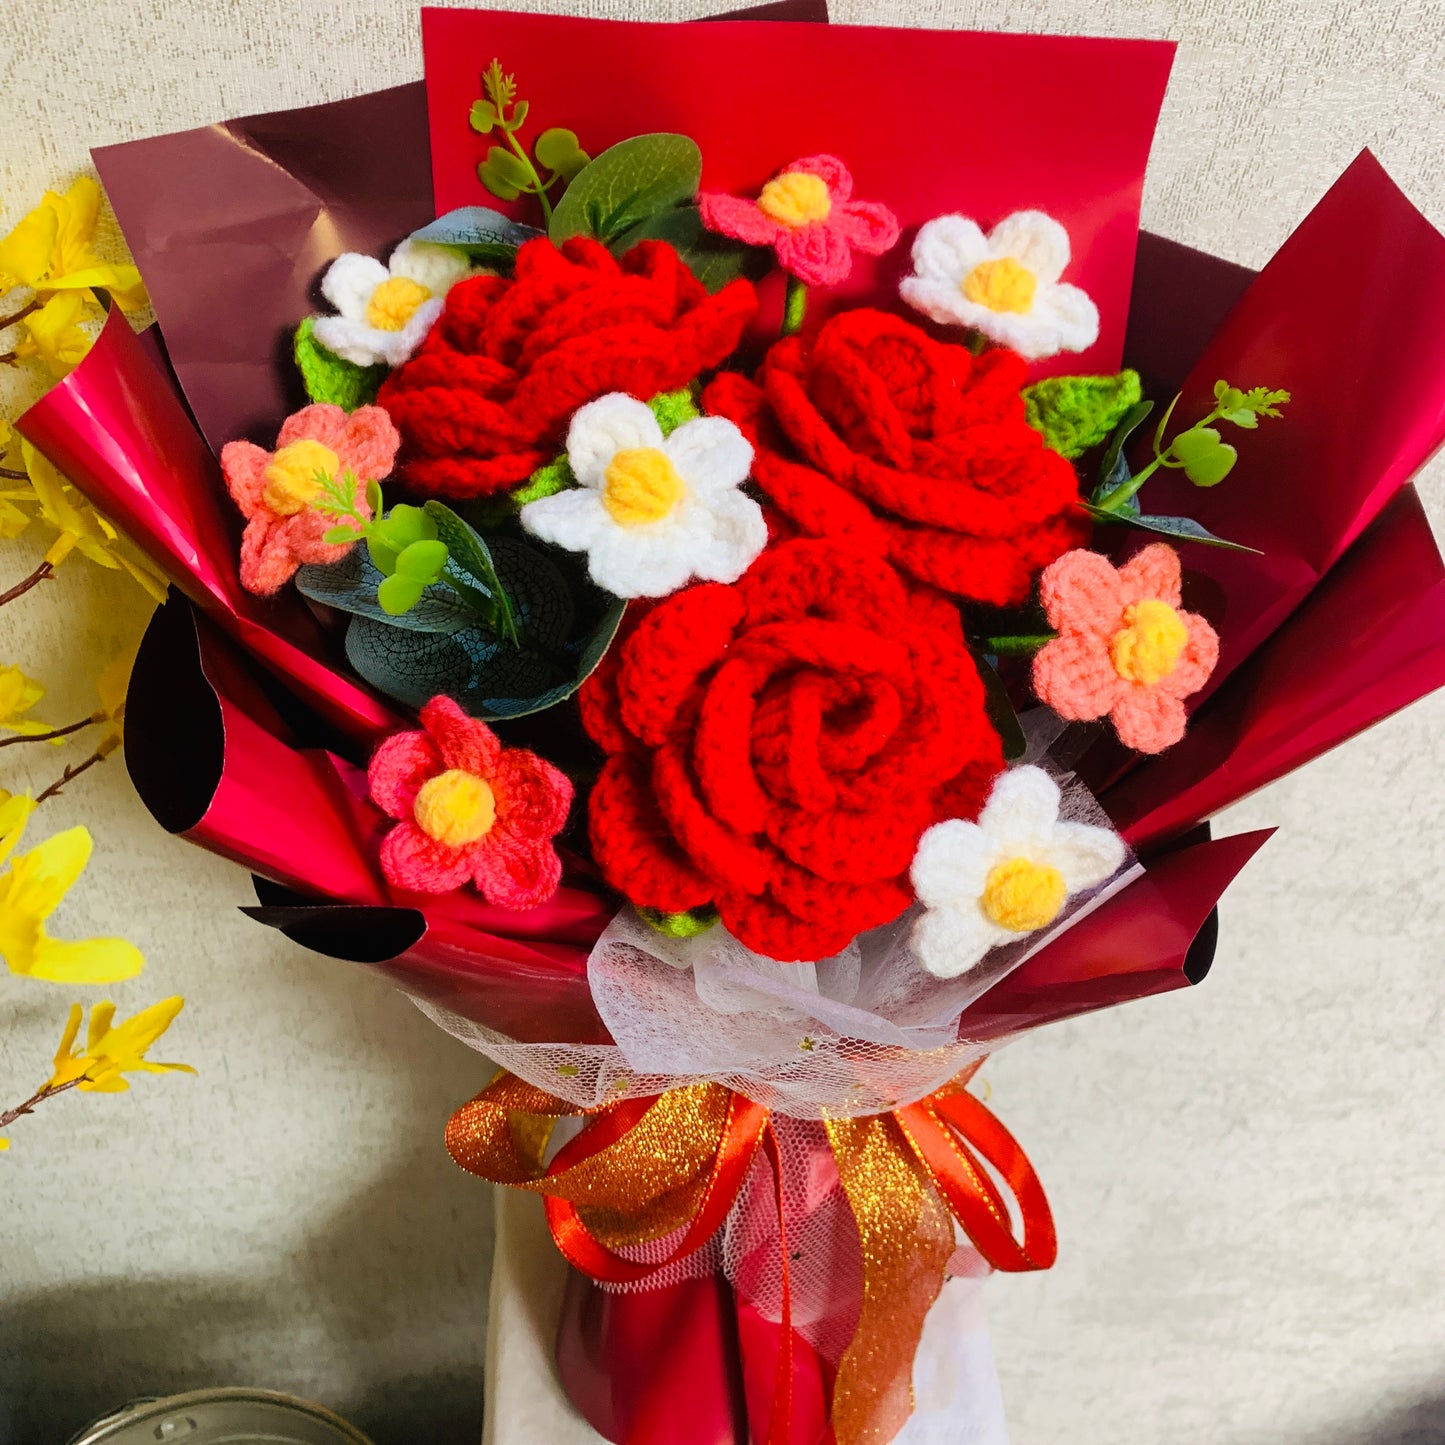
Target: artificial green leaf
[328,378]
[1018,644]
[1114,469]
[352,584]
[626,184]
[503,163]
[1207,460]
[422,561]
[558,150]
[1075,413]
[338,536]
[470,553]
[1186,529]
[1000,710]
[519,115]
[714,260]
[483,116]
[373,497]
[494,181]
[399,594]
[483,234]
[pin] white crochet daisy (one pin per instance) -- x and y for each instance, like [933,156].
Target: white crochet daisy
[386,311]
[1007,875]
[652,512]
[1005,284]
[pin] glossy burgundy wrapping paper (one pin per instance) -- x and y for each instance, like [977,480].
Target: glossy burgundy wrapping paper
[929,121]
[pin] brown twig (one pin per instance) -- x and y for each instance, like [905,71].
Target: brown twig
[41,574]
[54,733]
[44,1092]
[14,474]
[69,775]
[26,310]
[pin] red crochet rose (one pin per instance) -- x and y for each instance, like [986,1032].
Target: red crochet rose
[870,430]
[777,747]
[486,399]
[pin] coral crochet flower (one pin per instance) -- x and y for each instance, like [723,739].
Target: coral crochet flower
[778,747]
[1005,284]
[386,311]
[807,214]
[872,431]
[1007,875]
[487,399]
[652,512]
[468,808]
[1124,647]
[275,490]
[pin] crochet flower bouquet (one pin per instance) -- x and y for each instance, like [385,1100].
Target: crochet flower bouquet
[740,619]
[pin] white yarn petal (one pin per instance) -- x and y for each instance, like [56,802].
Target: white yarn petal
[1071,315]
[734,535]
[352,341]
[949,941]
[438,268]
[1036,240]
[1022,811]
[1084,855]
[349,282]
[951,864]
[401,345]
[575,519]
[942,301]
[948,248]
[639,563]
[711,455]
[611,424]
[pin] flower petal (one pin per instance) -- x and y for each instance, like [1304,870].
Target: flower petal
[952,863]
[369,445]
[711,455]
[948,248]
[817,254]
[416,862]
[463,741]
[1022,812]
[438,268]
[1083,854]
[515,873]
[1198,660]
[352,341]
[399,767]
[1148,719]
[1083,592]
[741,220]
[828,169]
[573,519]
[1035,239]
[941,301]
[611,424]
[1152,572]
[1072,319]
[320,422]
[1075,676]
[533,797]
[949,941]
[737,532]
[401,345]
[87,960]
[869,226]
[633,562]
[348,284]
[243,464]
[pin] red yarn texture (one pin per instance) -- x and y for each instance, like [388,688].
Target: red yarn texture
[777,747]
[871,431]
[487,398]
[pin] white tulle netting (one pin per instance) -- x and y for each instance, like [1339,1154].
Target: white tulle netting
[858,1033]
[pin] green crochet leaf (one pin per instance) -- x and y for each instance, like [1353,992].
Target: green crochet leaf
[485,235]
[691,924]
[330,379]
[1075,413]
[625,185]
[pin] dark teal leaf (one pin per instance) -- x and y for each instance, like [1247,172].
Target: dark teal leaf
[1114,469]
[471,554]
[714,260]
[1186,529]
[626,184]
[1000,709]
[484,234]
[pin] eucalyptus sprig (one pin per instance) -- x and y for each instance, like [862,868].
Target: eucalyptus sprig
[1198,452]
[407,547]
[509,173]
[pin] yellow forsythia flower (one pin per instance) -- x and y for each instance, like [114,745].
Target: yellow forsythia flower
[54,333]
[50,250]
[111,1052]
[111,687]
[18,694]
[32,887]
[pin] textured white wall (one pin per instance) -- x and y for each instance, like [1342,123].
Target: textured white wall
[1247,1179]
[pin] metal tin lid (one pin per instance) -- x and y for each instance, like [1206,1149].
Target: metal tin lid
[222,1417]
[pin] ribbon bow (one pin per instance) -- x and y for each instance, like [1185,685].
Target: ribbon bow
[649,1168]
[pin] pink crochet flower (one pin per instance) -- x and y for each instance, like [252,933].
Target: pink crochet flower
[807,215]
[1124,647]
[468,808]
[275,490]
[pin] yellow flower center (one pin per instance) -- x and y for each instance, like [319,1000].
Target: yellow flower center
[641,485]
[1003,285]
[1022,895]
[1148,646]
[455,808]
[795,199]
[394,303]
[294,478]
